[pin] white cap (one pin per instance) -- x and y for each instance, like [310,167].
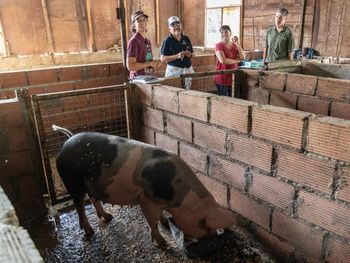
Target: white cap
[173,19]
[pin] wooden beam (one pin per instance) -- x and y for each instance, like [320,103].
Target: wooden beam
[4,47]
[121,14]
[47,27]
[302,24]
[92,44]
[157,24]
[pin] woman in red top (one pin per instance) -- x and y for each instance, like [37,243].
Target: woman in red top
[228,54]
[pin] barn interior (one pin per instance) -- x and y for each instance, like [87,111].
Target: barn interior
[276,153]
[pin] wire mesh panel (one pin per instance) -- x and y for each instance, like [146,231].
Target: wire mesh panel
[217,82]
[98,110]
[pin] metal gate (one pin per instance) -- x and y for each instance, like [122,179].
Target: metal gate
[103,109]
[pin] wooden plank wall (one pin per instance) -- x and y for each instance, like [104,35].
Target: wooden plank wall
[46,26]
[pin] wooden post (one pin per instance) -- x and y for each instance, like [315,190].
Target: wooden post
[33,142]
[47,27]
[302,24]
[121,17]
[157,24]
[92,44]
[4,44]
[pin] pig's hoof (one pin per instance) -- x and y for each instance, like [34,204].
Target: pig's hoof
[89,232]
[161,242]
[107,217]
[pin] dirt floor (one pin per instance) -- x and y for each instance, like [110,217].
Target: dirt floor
[126,239]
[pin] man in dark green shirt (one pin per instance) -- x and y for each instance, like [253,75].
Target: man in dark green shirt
[279,42]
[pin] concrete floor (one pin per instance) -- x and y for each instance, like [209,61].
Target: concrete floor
[126,239]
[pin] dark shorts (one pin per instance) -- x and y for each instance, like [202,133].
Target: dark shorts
[223,90]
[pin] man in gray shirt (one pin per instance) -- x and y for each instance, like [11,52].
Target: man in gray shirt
[279,41]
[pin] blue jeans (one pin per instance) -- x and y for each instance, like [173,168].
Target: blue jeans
[223,90]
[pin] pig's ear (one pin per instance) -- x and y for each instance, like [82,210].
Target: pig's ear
[220,218]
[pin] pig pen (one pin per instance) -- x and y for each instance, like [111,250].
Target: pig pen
[126,238]
[272,165]
[277,154]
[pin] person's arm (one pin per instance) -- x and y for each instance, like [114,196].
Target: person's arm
[167,59]
[136,66]
[223,60]
[290,55]
[240,49]
[264,54]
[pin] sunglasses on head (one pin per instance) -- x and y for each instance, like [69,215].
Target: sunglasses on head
[175,24]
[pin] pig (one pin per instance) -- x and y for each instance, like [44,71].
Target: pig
[120,171]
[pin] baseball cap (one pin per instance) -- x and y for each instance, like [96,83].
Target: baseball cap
[173,19]
[137,14]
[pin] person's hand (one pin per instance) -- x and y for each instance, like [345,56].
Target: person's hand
[235,39]
[155,63]
[188,53]
[181,55]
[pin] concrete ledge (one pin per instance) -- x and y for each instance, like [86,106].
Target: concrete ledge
[7,211]
[17,246]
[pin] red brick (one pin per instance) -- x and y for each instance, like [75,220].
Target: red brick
[333,88]
[207,60]
[230,113]
[210,137]
[272,80]
[97,71]
[111,81]
[227,172]
[172,81]
[153,118]
[325,213]
[14,79]
[145,93]
[283,250]
[203,84]
[249,151]
[15,164]
[337,251]
[148,135]
[194,157]
[218,190]
[60,87]
[116,69]
[251,77]
[340,110]
[15,138]
[179,127]
[10,114]
[7,94]
[194,104]
[285,100]
[166,98]
[258,95]
[330,137]
[314,105]
[42,76]
[301,84]
[87,84]
[298,168]
[278,124]
[69,73]
[249,208]
[343,192]
[272,191]
[37,89]
[300,235]
[166,142]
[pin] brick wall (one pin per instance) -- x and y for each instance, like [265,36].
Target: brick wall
[284,170]
[318,95]
[16,168]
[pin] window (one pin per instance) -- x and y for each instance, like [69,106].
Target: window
[221,12]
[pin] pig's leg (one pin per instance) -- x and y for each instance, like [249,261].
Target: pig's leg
[153,213]
[100,211]
[83,220]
